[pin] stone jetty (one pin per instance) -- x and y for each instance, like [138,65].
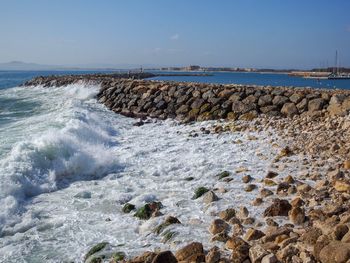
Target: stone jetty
[183,101]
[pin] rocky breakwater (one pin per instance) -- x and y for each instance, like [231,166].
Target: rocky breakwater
[200,102]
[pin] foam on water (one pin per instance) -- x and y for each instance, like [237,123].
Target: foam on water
[83,162]
[64,141]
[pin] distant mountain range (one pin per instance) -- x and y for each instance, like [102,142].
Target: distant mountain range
[19,65]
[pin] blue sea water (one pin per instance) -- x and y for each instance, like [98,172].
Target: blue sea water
[265,79]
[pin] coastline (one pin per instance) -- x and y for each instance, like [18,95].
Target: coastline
[304,194]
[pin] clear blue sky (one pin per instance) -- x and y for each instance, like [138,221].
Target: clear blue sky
[246,33]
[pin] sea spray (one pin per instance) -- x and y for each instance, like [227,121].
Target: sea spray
[71,142]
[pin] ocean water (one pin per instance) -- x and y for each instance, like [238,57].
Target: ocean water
[68,164]
[266,79]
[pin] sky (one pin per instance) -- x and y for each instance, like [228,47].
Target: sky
[235,33]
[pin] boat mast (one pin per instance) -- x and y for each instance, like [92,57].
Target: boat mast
[336,62]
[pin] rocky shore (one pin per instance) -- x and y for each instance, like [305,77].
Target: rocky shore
[306,216]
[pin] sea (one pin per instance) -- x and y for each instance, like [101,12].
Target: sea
[68,165]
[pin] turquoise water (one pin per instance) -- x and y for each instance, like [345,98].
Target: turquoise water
[259,79]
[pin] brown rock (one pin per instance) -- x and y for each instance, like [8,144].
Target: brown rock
[279,207]
[289,109]
[316,104]
[253,234]
[297,215]
[165,257]
[227,214]
[217,226]
[192,250]
[335,252]
[256,253]
[342,186]
[240,249]
[213,255]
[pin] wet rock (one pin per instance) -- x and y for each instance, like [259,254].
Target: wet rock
[127,208]
[240,249]
[223,174]
[210,197]
[199,192]
[165,257]
[227,214]
[218,226]
[89,257]
[213,255]
[250,187]
[191,252]
[279,207]
[265,192]
[170,220]
[242,212]
[246,179]
[146,211]
[145,257]
[253,234]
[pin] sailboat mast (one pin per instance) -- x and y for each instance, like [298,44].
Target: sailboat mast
[336,62]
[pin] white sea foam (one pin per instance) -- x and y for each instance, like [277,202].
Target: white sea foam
[143,164]
[66,141]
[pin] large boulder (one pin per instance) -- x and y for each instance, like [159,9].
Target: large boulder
[316,104]
[335,252]
[289,109]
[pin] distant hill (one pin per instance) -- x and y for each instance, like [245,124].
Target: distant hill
[18,65]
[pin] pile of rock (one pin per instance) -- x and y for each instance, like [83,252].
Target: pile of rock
[194,101]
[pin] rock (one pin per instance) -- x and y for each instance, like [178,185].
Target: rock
[342,186]
[270,258]
[210,197]
[296,97]
[213,255]
[250,187]
[286,254]
[242,213]
[118,256]
[340,231]
[346,164]
[221,237]
[265,192]
[256,253]
[289,109]
[192,251]
[279,100]
[146,211]
[297,202]
[227,214]
[316,104]
[335,252]
[199,192]
[240,249]
[253,234]
[127,208]
[223,174]
[170,220]
[271,174]
[297,215]
[279,207]
[145,257]
[95,249]
[265,100]
[218,226]
[246,179]
[257,201]
[165,257]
